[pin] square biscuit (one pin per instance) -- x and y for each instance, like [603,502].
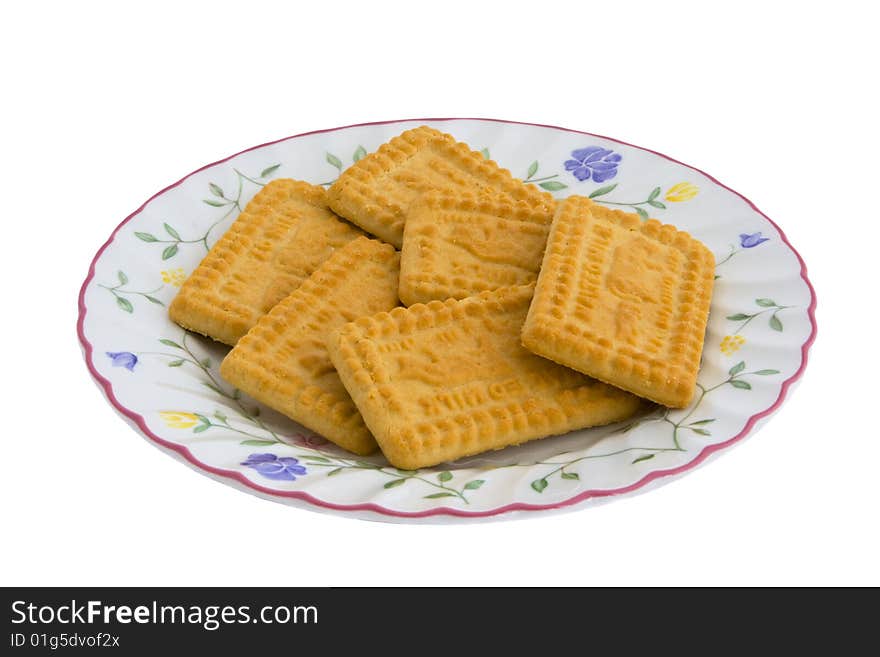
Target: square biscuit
[622,300]
[458,245]
[283,362]
[376,192]
[281,237]
[439,381]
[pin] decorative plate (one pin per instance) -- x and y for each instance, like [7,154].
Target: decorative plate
[167,383]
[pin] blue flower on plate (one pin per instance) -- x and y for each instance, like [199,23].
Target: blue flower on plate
[600,163]
[750,241]
[285,468]
[124,359]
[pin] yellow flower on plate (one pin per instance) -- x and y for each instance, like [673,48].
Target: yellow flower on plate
[178,419]
[174,276]
[731,344]
[683,191]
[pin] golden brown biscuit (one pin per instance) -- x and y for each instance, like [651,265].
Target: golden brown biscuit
[283,361]
[622,300]
[279,239]
[448,379]
[376,192]
[458,245]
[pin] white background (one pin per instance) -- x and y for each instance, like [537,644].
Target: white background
[106,103]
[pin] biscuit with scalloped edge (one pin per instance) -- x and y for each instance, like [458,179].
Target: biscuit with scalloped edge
[458,245]
[376,192]
[283,362]
[444,380]
[281,237]
[622,300]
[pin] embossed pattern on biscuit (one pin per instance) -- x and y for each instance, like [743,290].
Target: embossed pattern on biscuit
[376,192]
[622,300]
[283,361]
[281,237]
[458,245]
[440,381]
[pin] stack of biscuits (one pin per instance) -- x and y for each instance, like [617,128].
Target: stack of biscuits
[432,306]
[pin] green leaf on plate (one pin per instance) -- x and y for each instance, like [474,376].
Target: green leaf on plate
[736,369]
[738,317]
[642,213]
[125,304]
[146,237]
[170,343]
[765,303]
[202,418]
[702,432]
[212,202]
[775,324]
[766,372]
[220,416]
[359,152]
[742,385]
[444,476]
[169,252]
[539,485]
[216,190]
[552,186]
[257,443]
[171,231]
[485,153]
[206,362]
[656,204]
[334,161]
[702,422]
[654,194]
[335,471]
[603,190]
[570,475]
[394,483]
[434,496]
[153,300]
[319,459]
[644,457]
[201,427]
[176,363]
[123,279]
[533,169]
[475,484]
[268,171]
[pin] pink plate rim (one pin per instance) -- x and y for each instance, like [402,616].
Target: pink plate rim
[439,511]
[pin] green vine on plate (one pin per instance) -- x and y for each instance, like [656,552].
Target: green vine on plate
[545,182]
[186,356]
[121,294]
[700,427]
[769,306]
[359,153]
[651,200]
[442,481]
[219,200]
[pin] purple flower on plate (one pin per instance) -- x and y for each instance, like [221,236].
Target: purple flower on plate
[750,241]
[285,468]
[124,359]
[600,163]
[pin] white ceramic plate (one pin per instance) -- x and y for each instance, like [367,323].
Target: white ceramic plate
[166,381]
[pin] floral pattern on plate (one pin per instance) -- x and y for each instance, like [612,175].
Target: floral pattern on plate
[167,380]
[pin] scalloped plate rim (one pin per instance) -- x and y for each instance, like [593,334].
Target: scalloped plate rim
[441,512]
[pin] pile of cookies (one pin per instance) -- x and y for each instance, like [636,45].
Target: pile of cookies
[505,316]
